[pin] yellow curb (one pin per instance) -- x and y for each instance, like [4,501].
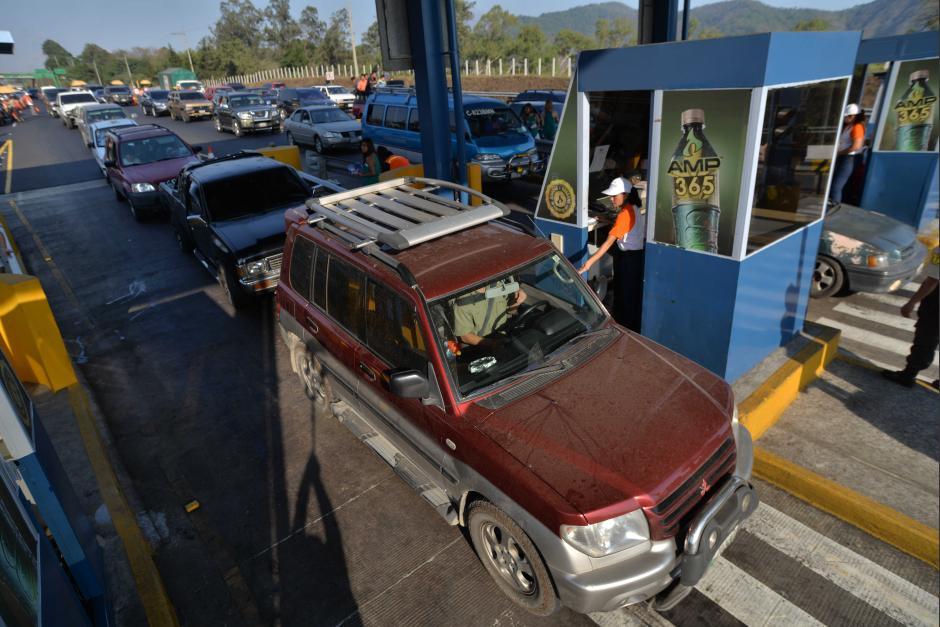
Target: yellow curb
[759,411]
[880,521]
[153,595]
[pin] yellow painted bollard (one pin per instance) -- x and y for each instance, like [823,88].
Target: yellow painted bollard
[29,334]
[285,154]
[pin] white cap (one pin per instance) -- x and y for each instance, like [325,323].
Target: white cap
[851,109]
[619,185]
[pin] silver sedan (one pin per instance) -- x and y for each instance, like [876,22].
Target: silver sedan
[322,127]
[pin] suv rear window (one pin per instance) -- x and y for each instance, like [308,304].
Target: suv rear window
[395,117]
[344,287]
[301,266]
[375,115]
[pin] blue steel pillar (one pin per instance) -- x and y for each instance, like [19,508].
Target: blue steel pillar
[427,52]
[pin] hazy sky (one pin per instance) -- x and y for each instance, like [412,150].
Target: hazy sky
[128,23]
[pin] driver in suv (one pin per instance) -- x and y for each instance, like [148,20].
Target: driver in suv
[479,313]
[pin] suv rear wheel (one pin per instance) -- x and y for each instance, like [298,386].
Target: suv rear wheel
[511,559]
[316,386]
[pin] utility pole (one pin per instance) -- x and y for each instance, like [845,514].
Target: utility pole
[188,53]
[95,64]
[352,37]
[130,78]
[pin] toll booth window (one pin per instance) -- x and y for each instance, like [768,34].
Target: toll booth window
[801,127]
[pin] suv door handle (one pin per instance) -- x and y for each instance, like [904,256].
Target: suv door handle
[367,371]
[312,326]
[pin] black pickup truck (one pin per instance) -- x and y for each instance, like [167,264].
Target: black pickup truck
[230,213]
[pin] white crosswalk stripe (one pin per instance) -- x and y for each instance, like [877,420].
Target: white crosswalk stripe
[752,602]
[749,600]
[868,338]
[890,320]
[877,586]
[894,300]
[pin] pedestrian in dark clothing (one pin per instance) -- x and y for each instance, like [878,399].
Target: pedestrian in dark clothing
[926,331]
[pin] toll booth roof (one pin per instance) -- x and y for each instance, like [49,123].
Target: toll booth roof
[758,60]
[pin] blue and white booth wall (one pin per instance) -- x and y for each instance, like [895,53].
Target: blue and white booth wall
[739,157]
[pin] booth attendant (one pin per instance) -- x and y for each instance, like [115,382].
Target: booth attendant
[851,144]
[628,233]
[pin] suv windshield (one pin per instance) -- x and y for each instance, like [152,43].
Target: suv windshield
[150,149]
[487,121]
[513,323]
[158,95]
[192,95]
[329,115]
[254,193]
[337,90]
[104,114]
[117,90]
[75,98]
[245,101]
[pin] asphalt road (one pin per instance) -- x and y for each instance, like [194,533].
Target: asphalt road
[299,523]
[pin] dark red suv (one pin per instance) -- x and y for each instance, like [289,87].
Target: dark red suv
[592,467]
[138,158]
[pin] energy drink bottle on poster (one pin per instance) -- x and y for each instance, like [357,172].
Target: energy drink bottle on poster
[914,113]
[694,171]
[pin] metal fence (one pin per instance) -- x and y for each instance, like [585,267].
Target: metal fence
[552,66]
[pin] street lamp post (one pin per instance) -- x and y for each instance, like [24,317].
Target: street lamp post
[188,54]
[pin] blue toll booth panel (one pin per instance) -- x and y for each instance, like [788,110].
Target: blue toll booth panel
[735,140]
[899,84]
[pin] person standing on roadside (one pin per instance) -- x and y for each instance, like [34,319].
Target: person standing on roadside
[926,331]
[371,164]
[851,145]
[549,121]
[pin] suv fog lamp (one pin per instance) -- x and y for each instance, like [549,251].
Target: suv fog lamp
[139,188]
[712,540]
[608,536]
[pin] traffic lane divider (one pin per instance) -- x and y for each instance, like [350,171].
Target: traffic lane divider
[761,410]
[29,334]
[880,521]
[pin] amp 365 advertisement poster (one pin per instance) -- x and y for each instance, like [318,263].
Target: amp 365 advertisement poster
[701,154]
[911,111]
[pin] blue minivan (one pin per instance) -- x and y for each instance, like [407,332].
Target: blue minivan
[496,140]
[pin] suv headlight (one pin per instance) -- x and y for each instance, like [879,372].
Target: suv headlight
[487,156]
[141,187]
[332,134]
[253,269]
[608,536]
[244,116]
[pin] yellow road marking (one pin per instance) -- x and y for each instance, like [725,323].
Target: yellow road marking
[909,535]
[153,595]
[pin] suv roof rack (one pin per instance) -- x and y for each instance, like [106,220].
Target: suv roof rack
[127,130]
[399,215]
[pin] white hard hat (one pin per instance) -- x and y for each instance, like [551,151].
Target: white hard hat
[851,109]
[619,185]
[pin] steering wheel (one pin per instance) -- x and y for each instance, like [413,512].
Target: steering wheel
[556,270]
[524,316]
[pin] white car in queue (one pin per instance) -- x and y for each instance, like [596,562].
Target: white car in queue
[97,132]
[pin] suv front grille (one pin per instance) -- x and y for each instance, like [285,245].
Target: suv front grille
[671,516]
[275,262]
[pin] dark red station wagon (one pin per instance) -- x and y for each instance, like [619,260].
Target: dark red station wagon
[592,467]
[138,158]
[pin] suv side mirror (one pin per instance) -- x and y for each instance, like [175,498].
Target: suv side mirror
[194,219]
[197,149]
[408,384]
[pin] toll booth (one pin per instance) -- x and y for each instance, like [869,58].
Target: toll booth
[51,572]
[897,82]
[735,138]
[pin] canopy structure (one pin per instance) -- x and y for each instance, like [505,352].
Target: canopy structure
[145,83]
[117,82]
[77,83]
[7,89]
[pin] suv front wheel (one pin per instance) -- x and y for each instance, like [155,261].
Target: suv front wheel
[511,559]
